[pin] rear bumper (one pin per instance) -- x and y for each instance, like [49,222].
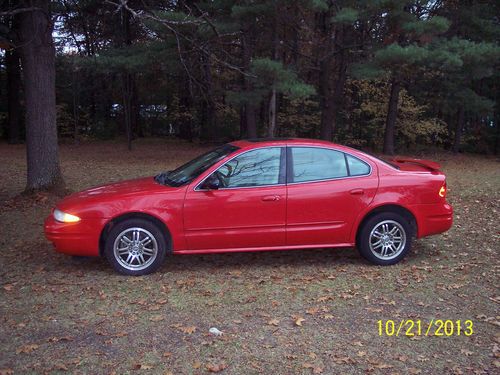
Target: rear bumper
[80,238]
[432,218]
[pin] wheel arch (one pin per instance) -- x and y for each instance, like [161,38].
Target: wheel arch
[134,215]
[395,208]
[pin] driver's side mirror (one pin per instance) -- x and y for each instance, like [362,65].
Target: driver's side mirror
[211,183]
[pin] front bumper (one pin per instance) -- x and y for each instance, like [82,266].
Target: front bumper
[81,238]
[432,218]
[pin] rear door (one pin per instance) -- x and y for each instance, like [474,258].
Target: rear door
[247,211]
[326,191]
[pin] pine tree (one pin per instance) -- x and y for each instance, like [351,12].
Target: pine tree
[406,29]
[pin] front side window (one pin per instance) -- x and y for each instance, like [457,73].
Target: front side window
[192,169]
[253,168]
[314,164]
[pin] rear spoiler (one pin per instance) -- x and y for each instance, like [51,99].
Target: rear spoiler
[432,165]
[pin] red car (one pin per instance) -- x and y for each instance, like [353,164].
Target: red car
[255,195]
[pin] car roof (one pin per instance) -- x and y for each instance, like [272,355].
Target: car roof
[262,142]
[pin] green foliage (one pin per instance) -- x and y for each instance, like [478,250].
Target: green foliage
[395,55]
[253,9]
[271,74]
[318,5]
[434,25]
[346,16]
[299,117]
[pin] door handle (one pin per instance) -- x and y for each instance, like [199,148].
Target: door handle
[357,191]
[271,198]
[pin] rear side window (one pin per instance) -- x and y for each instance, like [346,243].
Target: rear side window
[356,166]
[313,164]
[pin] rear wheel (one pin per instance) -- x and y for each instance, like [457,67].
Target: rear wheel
[385,238]
[135,247]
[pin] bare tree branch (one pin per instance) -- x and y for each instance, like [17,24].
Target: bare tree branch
[169,24]
[13,12]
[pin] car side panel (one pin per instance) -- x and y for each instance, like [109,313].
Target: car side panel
[418,193]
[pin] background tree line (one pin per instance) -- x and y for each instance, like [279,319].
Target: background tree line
[388,75]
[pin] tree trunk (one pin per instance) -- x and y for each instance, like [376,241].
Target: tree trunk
[249,111]
[13,96]
[272,100]
[392,115]
[185,105]
[38,62]
[326,102]
[243,121]
[251,120]
[459,129]
[127,106]
[211,118]
[272,114]
[326,77]
[128,81]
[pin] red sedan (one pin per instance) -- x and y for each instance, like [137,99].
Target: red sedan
[256,195]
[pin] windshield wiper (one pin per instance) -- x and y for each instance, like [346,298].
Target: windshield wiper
[163,179]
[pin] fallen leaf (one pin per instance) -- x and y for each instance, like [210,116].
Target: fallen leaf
[312,311]
[299,320]
[157,318]
[188,330]
[468,353]
[316,369]
[27,348]
[273,322]
[382,365]
[216,367]
[143,367]
[197,365]
[8,287]
[61,367]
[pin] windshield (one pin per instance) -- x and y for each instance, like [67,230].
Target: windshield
[192,169]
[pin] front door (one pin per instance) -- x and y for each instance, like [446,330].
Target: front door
[247,210]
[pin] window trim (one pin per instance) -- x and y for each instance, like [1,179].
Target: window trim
[290,165]
[282,176]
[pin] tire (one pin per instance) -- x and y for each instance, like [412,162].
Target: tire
[135,247]
[385,238]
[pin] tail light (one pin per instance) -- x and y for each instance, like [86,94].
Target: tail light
[442,191]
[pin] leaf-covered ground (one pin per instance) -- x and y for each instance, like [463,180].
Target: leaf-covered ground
[284,312]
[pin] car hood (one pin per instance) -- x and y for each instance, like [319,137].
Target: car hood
[87,201]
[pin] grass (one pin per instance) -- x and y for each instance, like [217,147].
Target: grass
[59,314]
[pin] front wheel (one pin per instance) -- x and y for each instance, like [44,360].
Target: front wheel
[135,247]
[385,239]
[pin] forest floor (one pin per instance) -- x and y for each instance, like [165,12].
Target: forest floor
[292,312]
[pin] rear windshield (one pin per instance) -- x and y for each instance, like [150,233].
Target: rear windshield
[393,165]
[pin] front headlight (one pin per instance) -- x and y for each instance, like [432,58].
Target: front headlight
[64,217]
